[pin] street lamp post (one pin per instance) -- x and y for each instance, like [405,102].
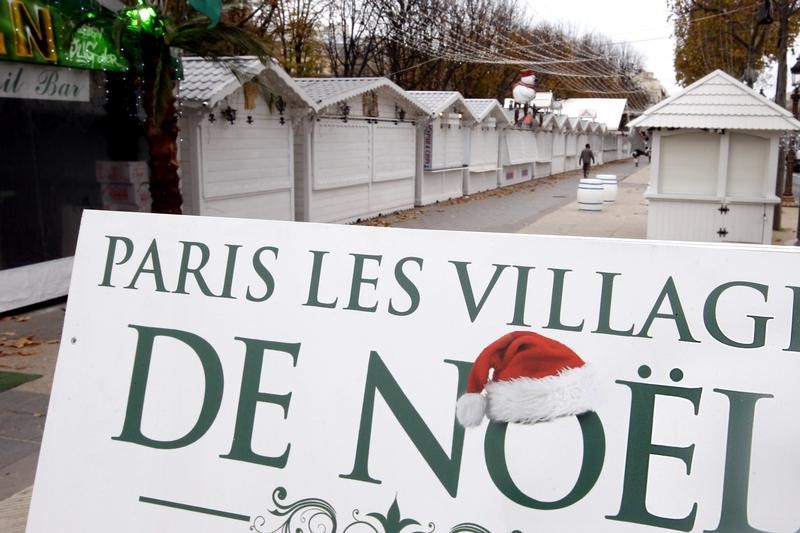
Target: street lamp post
[795,70]
[788,195]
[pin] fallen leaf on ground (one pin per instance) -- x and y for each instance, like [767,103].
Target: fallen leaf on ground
[37,415]
[22,318]
[53,342]
[24,352]
[23,342]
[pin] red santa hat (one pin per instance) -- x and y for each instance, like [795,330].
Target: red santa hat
[525,72]
[535,379]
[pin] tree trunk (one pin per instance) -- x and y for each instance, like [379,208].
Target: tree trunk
[784,11]
[162,130]
[162,141]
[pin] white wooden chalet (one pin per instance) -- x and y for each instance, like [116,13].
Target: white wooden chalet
[236,153]
[543,165]
[518,149]
[573,130]
[485,133]
[355,154]
[560,129]
[442,149]
[714,162]
[608,146]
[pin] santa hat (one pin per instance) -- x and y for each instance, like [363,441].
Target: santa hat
[525,72]
[535,379]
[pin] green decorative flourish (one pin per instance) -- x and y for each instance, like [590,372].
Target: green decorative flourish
[303,516]
[313,515]
[390,523]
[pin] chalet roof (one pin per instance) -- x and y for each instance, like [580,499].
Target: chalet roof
[573,124]
[560,122]
[717,101]
[484,107]
[606,110]
[439,101]
[329,91]
[208,81]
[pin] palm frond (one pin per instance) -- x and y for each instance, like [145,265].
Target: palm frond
[195,38]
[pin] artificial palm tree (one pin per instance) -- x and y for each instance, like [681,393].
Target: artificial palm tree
[150,35]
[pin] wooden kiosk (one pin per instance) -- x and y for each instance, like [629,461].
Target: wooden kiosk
[714,162]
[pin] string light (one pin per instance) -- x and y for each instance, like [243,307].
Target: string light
[575,66]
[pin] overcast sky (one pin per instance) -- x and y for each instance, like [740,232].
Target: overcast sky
[643,23]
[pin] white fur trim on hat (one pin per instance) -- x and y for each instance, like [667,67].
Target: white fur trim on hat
[470,409]
[570,392]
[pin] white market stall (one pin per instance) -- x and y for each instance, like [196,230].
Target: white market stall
[544,147]
[595,139]
[518,152]
[611,144]
[559,143]
[583,132]
[714,162]
[572,130]
[442,147]
[608,112]
[484,144]
[236,153]
[355,154]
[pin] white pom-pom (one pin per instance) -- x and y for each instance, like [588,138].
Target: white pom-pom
[470,409]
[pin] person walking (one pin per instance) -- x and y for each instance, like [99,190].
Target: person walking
[586,159]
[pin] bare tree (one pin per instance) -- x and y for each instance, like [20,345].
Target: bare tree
[353,36]
[473,46]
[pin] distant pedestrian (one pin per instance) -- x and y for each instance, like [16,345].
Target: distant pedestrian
[586,159]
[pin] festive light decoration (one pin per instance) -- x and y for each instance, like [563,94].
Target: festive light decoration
[143,17]
[46,34]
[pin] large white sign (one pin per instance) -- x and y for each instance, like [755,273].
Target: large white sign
[228,375]
[41,82]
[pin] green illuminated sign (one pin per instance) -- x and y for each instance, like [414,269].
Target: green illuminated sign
[44,32]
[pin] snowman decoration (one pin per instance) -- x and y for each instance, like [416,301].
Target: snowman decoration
[524,92]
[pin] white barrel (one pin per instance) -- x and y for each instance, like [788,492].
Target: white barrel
[609,182]
[590,194]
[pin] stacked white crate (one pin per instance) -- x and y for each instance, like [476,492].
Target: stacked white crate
[124,185]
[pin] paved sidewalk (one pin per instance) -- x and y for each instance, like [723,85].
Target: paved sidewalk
[543,206]
[626,218]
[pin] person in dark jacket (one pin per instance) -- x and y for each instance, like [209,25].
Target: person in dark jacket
[586,159]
